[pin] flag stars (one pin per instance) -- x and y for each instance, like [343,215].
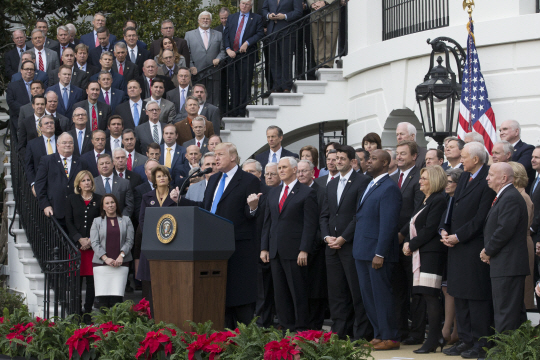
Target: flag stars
[482,80]
[475,70]
[475,61]
[474,98]
[466,90]
[482,89]
[473,107]
[475,79]
[481,107]
[466,99]
[474,89]
[481,98]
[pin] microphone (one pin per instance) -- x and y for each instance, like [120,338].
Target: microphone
[206,171]
[194,172]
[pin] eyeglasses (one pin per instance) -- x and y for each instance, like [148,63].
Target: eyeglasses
[79,115]
[304,171]
[153,110]
[29,69]
[270,174]
[167,28]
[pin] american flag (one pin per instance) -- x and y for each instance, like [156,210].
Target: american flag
[475,111]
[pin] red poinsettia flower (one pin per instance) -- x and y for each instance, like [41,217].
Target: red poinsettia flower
[213,350]
[313,335]
[152,343]
[80,340]
[19,331]
[109,326]
[283,349]
[197,345]
[143,308]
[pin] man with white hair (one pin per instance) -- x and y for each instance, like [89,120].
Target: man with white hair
[288,235]
[510,131]
[72,34]
[502,151]
[13,57]
[62,34]
[505,247]
[473,136]
[407,131]
[119,156]
[149,70]
[196,191]
[468,277]
[206,49]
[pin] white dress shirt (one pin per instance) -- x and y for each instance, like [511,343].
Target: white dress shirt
[158,124]
[110,177]
[135,50]
[330,176]
[43,56]
[139,109]
[342,183]
[291,185]
[278,154]
[405,174]
[116,143]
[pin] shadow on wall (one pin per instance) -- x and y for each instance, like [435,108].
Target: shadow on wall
[388,136]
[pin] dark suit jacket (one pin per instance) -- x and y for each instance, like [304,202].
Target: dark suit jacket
[131,70]
[293,229]
[58,52]
[505,235]
[263,157]
[339,219]
[35,149]
[121,189]
[421,158]
[411,197]
[523,155]
[90,160]
[209,111]
[185,133]
[78,78]
[446,166]
[89,40]
[145,88]
[177,165]
[76,95]
[219,28]
[140,190]
[12,58]
[143,133]
[174,96]
[124,110]
[16,97]
[95,54]
[87,141]
[52,185]
[142,55]
[181,45]
[293,9]
[376,234]
[133,178]
[427,222]
[27,131]
[116,97]
[242,265]
[468,276]
[204,145]
[79,216]
[91,70]
[119,82]
[253,32]
[40,75]
[103,112]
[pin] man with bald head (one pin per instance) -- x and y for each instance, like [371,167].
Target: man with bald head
[505,247]
[510,131]
[407,131]
[13,57]
[149,73]
[78,78]
[502,151]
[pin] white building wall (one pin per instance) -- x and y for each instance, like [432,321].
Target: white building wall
[382,75]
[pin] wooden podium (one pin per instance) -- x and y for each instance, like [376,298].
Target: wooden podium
[188,249]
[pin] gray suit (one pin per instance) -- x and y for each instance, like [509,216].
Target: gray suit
[139,159]
[209,111]
[204,145]
[98,237]
[168,110]
[143,133]
[121,189]
[51,57]
[196,191]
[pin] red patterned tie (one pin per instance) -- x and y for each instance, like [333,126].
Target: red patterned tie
[129,163]
[121,175]
[41,67]
[94,118]
[400,180]
[332,178]
[493,203]
[121,70]
[283,198]
[236,44]
[199,144]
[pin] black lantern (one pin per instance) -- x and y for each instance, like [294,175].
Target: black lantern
[438,95]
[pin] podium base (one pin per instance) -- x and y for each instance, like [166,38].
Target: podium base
[189,291]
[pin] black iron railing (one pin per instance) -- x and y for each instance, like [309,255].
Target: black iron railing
[300,48]
[57,256]
[538,6]
[403,17]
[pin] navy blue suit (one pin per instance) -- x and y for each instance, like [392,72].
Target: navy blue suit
[116,97]
[262,158]
[75,96]
[281,52]
[91,161]
[16,97]
[118,81]
[177,164]
[89,40]
[523,155]
[376,233]
[241,75]
[39,75]
[52,185]
[95,54]
[140,170]
[140,44]
[35,149]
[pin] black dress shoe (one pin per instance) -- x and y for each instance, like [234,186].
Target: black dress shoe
[457,349]
[412,341]
[473,353]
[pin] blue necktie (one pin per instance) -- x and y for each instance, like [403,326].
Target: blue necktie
[133,57]
[219,194]
[274,158]
[182,98]
[536,184]
[107,186]
[28,90]
[65,98]
[367,190]
[135,114]
[80,141]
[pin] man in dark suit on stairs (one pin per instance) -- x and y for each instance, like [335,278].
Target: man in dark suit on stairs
[510,131]
[274,136]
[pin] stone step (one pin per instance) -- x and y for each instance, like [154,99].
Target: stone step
[310,87]
[7,179]
[20,236]
[25,250]
[30,266]
[37,281]
[282,99]
[262,111]
[11,208]
[9,195]
[238,123]
[330,74]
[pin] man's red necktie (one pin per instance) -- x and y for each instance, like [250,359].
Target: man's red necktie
[236,44]
[94,119]
[41,67]
[121,175]
[199,144]
[283,198]
[493,203]
[400,180]
[129,163]
[121,69]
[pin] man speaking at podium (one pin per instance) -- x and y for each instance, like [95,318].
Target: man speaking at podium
[226,196]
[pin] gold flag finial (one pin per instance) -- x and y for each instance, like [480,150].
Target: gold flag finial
[469,5]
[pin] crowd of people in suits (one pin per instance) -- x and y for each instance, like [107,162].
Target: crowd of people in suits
[381,241]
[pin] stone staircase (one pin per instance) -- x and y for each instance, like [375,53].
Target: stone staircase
[323,99]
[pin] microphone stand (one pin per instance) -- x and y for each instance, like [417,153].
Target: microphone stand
[184,184]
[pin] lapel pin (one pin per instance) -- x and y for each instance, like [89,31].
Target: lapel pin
[115,182]
[100,114]
[349,181]
[152,202]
